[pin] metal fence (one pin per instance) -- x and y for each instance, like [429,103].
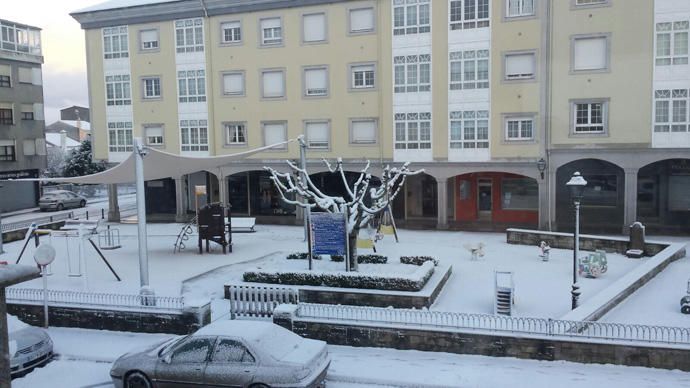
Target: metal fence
[81,213]
[259,300]
[94,300]
[496,323]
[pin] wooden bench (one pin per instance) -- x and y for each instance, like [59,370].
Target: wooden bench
[243,224]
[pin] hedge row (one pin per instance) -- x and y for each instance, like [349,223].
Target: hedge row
[412,282]
[417,260]
[363,259]
[302,256]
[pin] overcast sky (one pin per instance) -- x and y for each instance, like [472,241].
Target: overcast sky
[64,69]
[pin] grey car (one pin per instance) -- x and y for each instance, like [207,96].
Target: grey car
[60,199]
[29,346]
[227,354]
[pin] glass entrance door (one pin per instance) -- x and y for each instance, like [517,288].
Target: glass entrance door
[484,202]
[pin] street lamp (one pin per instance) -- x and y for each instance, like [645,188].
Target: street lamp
[541,166]
[576,184]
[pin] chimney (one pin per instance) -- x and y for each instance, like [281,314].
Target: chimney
[63,140]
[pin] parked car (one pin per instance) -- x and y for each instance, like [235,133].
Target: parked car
[227,353]
[29,346]
[60,199]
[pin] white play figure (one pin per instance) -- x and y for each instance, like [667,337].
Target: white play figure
[545,249]
[477,250]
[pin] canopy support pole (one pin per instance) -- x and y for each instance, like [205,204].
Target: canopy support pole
[139,153]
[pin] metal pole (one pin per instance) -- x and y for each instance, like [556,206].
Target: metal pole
[303,166]
[141,214]
[576,250]
[1,250]
[44,270]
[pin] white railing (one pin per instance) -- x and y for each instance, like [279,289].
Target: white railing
[497,323]
[94,300]
[259,300]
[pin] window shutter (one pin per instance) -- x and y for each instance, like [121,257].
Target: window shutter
[229,25]
[314,26]
[38,112]
[6,70]
[25,75]
[149,36]
[273,84]
[233,83]
[274,133]
[519,65]
[36,76]
[27,108]
[29,147]
[316,82]
[590,53]
[364,131]
[270,23]
[154,131]
[362,19]
[41,146]
[317,134]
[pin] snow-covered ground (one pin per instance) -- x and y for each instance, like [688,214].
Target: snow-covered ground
[86,356]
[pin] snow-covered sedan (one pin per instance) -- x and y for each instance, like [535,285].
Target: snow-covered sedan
[29,346]
[227,353]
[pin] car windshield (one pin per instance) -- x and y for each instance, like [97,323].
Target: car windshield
[171,344]
[279,342]
[50,196]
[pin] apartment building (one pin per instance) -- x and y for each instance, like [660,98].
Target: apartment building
[22,138]
[499,101]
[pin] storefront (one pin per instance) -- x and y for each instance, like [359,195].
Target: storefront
[253,194]
[663,195]
[18,195]
[160,196]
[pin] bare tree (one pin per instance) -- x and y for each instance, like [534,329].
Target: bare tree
[363,200]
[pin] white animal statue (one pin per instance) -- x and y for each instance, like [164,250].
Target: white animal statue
[477,250]
[545,249]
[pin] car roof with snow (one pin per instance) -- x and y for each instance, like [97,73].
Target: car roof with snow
[249,330]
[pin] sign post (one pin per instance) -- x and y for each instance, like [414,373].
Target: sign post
[328,234]
[44,255]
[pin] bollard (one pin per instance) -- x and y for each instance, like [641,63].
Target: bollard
[102,213]
[87,215]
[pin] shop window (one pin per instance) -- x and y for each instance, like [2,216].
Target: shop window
[519,194]
[601,191]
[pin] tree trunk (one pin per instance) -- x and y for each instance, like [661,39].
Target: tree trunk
[352,242]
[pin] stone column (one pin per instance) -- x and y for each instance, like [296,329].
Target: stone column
[180,199]
[113,205]
[543,203]
[630,203]
[223,189]
[551,194]
[442,204]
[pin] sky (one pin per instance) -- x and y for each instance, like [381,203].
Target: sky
[64,53]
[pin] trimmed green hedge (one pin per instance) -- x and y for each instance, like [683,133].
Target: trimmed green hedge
[302,256]
[417,260]
[363,259]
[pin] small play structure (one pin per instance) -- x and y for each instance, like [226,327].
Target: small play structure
[545,251]
[593,265]
[504,293]
[383,224]
[213,224]
[475,249]
[685,301]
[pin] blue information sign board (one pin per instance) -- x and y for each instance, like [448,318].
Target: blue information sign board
[328,234]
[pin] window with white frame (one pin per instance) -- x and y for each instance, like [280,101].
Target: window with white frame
[363,131]
[519,128]
[5,76]
[314,27]
[154,134]
[233,84]
[413,131]
[194,135]
[120,136]
[149,39]
[590,53]
[273,84]
[520,66]
[671,110]
[235,133]
[20,38]
[517,8]
[469,129]
[271,31]
[115,42]
[152,87]
[363,76]
[466,14]
[231,32]
[191,85]
[27,111]
[189,35]
[317,133]
[315,81]
[362,20]
[412,73]
[8,151]
[411,17]
[589,117]
[672,43]
[274,133]
[469,70]
[117,90]
[6,113]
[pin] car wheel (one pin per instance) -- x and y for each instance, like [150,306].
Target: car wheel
[60,207]
[137,380]
[260,385]
[82,203]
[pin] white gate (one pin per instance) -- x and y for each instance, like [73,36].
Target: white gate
[258,300]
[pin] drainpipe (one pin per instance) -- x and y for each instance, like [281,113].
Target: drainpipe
[547,103]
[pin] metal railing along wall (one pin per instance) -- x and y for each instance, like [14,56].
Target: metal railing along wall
[259,300]
[87,299]
[497,323]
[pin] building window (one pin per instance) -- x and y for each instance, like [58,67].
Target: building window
[520,66]
[194,135]
[117,90]
[469,70]
[235,133]
[29,147]
[519,194]
[671,110]
[149,39]
[316,82]
[273,84]
[469,129]
[271,32]
[362,20]
[7,151]
[25,75]
[519,128]
[5,81]
[115,42]
[314,28]
[192,85]
[154,135]
[274,133]
[363,131]
[20,39]
[411,17]
[189,35]
[579,3]
[589,117]
[120,136]
[590,53]
[233,84]
[471,14]
[672,43]
[27,111]
[152,87]
[412,73]
[412,131]
[231,32]
[517,8]
[6,116]
[317,133]
[363,76]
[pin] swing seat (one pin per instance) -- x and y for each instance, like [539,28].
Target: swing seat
[387,229]
[364,243]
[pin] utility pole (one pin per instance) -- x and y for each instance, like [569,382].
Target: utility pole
[303,166]
[1,250]
[139,153]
